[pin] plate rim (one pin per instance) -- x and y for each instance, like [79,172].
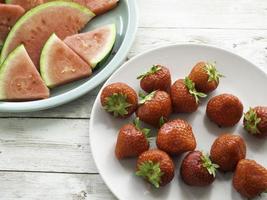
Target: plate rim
[119,58]
[135,58]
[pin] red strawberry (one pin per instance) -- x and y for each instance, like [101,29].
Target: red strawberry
[185,98]
[176,137]
[157,78]
[224,110]
[255,121]
[197,169]
[119,99]
[250,178]
[132,140]
[227,150]
[156,167]
[205,76]
[153,107]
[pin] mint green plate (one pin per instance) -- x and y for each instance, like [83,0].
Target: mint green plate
[125,17]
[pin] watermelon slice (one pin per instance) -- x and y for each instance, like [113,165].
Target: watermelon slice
[95,45]
[37,25]
[59,64]
[98,6]
[19,78]
[9,14]
[26,4]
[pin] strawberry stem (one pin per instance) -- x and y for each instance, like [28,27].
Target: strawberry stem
[211,167]
[117,104]
[145,98]
[252,121]
[213,73]
[150,171]
[153,69]
[145,131]
[192,90]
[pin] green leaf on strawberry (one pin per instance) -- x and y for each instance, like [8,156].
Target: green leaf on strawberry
[213,73]
[252,121]
[161,121]
[153,69]
[137,124]
[117,104]
[145,98]
[150,171]
[211,167]
[192,90]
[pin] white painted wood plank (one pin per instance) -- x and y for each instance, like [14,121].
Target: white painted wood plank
[251,44]
[45,145]
[39,186]
[238,14]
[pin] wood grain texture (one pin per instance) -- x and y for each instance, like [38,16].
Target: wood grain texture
[39,186]
[45,145]
[223,14]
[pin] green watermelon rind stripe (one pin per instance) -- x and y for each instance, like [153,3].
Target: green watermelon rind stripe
[8,1]
[5,66]
[44,60]
[37,10]
[108,47]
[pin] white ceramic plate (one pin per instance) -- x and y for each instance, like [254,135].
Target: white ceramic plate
[243,79]
[125,17]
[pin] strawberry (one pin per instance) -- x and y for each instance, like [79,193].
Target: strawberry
[250,178]
[225,110]
[156,167]
[185,98]
[227,150]
[176,137]
[205,76]
[157,78]
[132,140]
[255,121]
[197,169]
[119,99]
[153,107]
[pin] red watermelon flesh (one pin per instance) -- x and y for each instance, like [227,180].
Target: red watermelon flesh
[26,4]
[36,26]
[95,45]
[9,14]
[19,78]
[98,6]
[59,64]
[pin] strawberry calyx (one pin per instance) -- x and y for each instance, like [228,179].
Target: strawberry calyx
[161,121]
[145,131]
[145,98]
[252,121]
[192,89]
[150,171]
[211,167]
[153,70]
[117,104]
[214,74]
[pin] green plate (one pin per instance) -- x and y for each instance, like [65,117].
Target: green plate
[125,17]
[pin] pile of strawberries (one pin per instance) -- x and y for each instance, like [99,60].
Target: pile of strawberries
[174,137]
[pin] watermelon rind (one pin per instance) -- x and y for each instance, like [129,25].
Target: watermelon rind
[108,46]
[4,67]
[43,60]
[34,11]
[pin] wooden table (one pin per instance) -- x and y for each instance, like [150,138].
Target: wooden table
[46,155]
